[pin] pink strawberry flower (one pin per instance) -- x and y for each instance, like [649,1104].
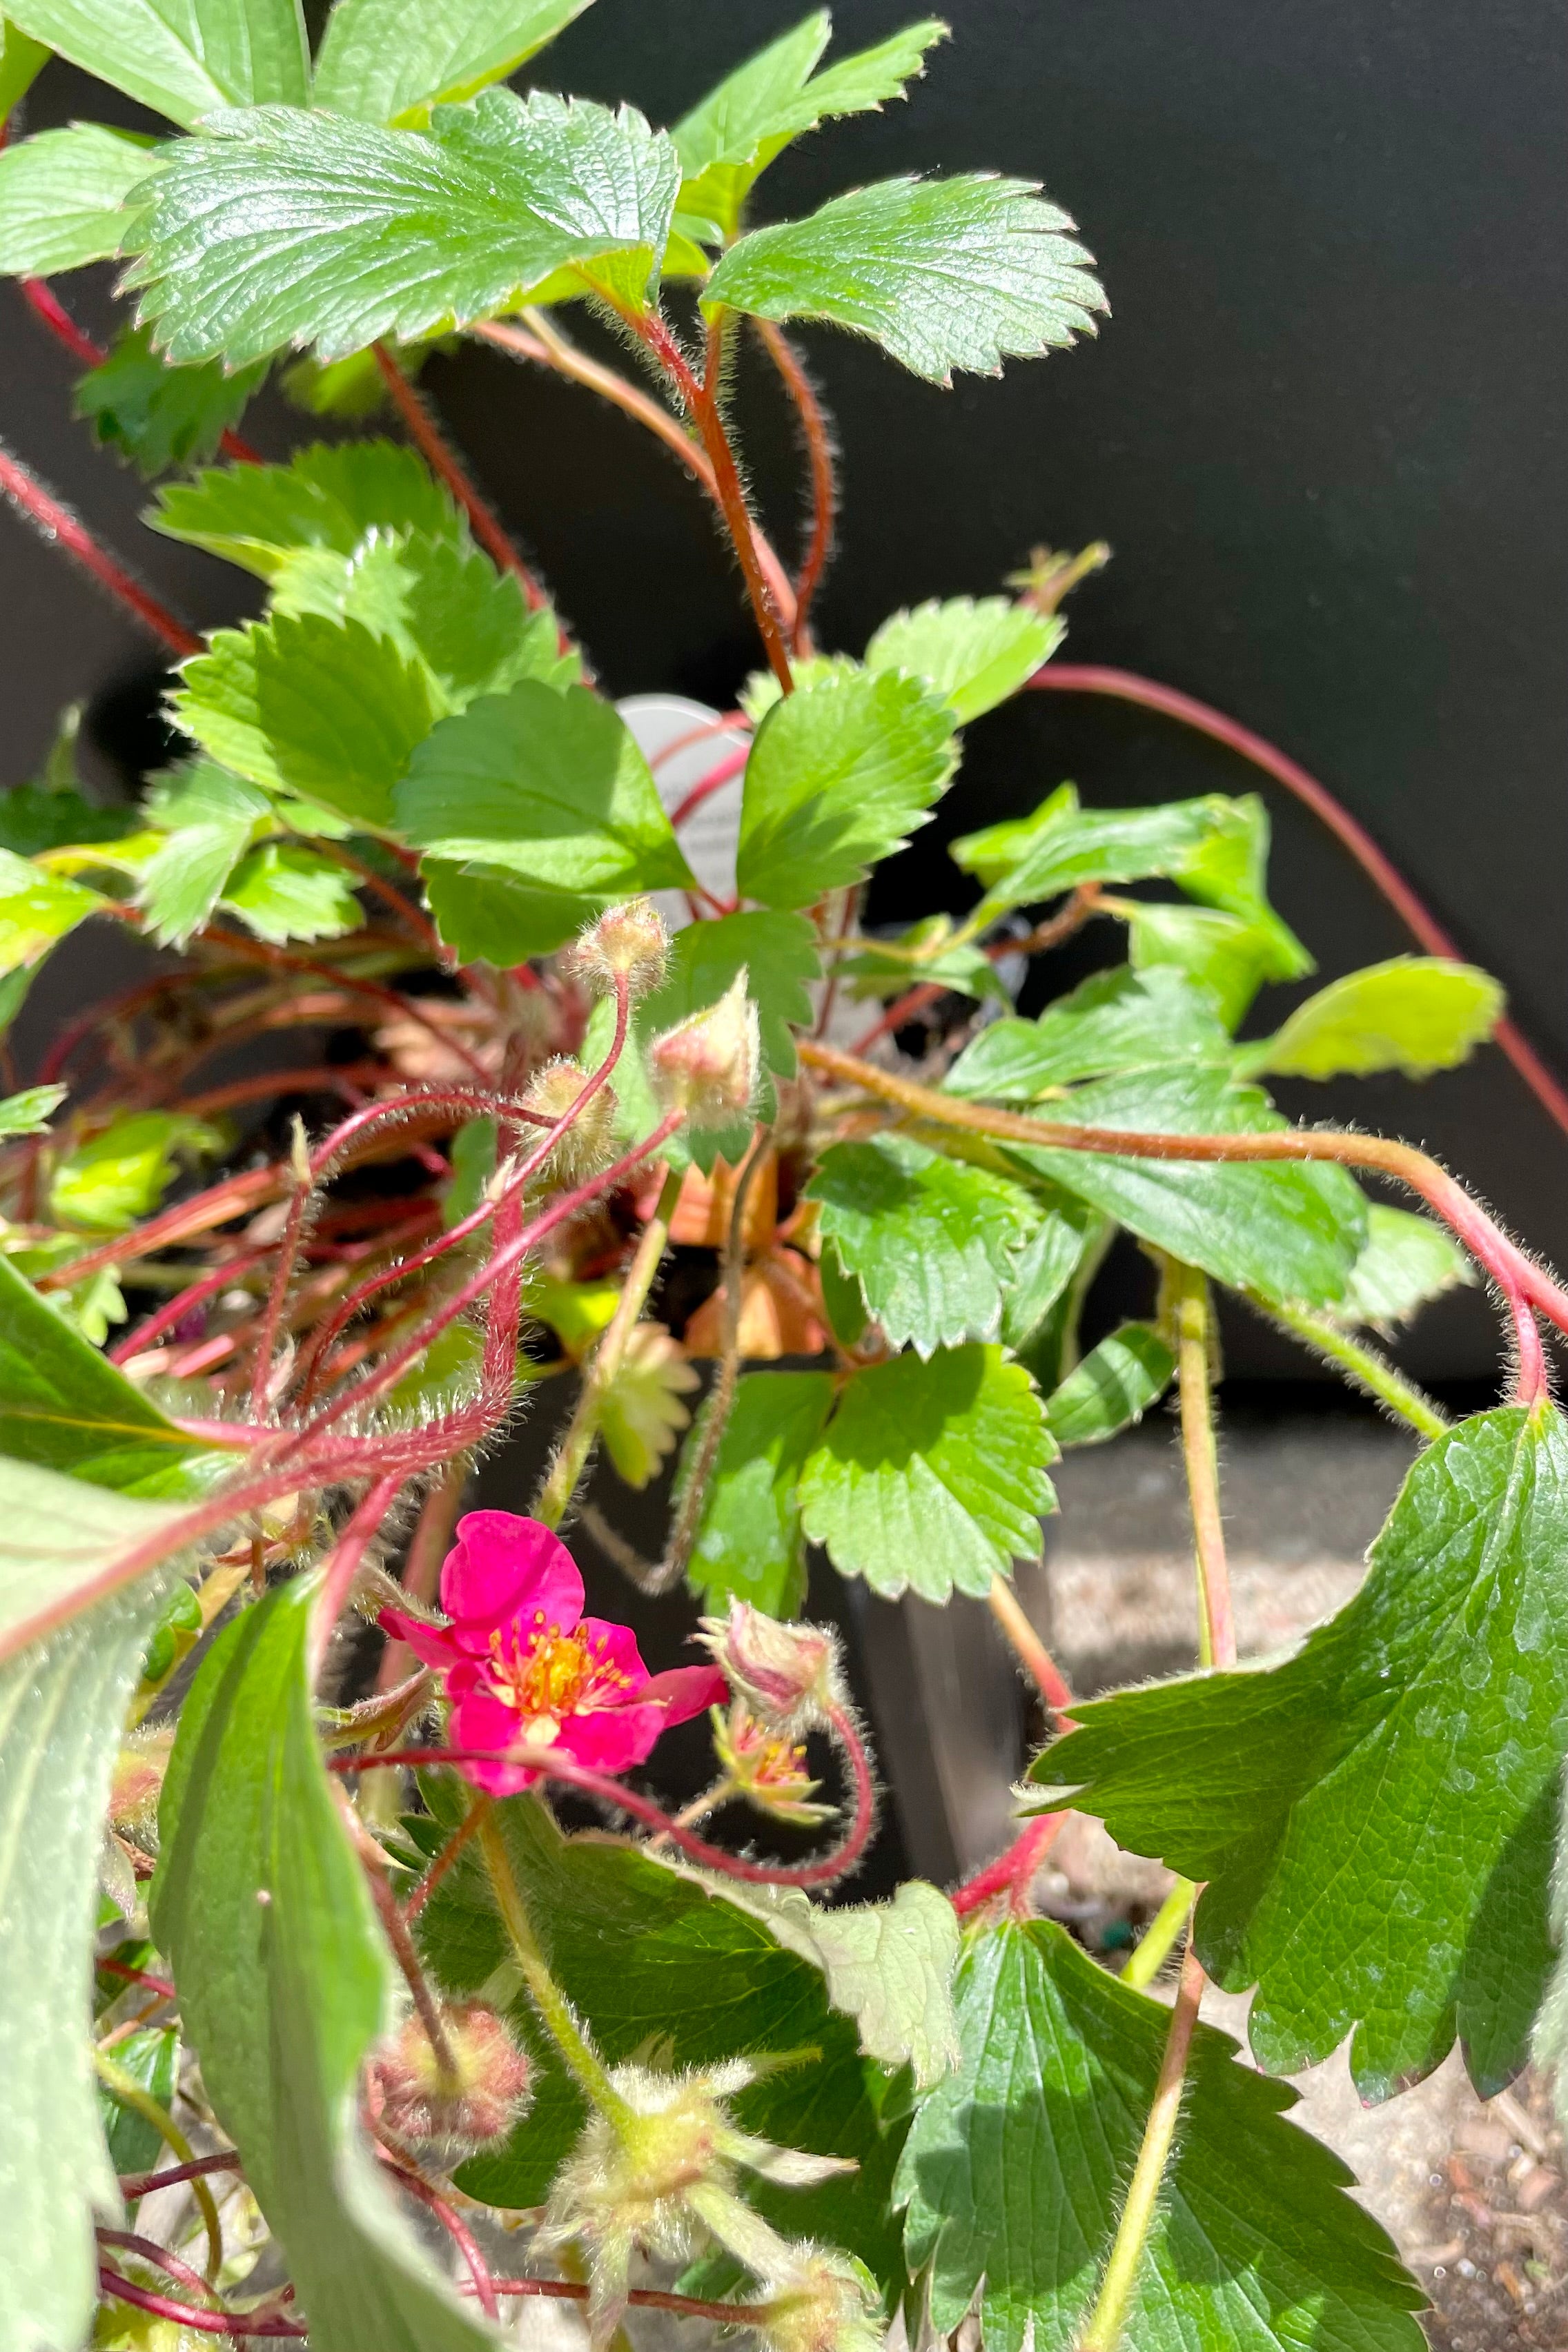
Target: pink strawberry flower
[523,1666]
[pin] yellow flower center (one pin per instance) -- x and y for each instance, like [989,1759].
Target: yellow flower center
[548,1675]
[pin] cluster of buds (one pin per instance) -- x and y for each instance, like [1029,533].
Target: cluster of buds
[589,1143]
[707,1066]
[769,1772]
[656,2173]
[457,2100]
[628,943]
[791,1677]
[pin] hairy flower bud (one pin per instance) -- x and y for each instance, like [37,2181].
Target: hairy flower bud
[474,2101]
[822,2301]
[769,1772]
[137,1786]
[789,1676]
[707,1066]
[628,943]
[589,1143]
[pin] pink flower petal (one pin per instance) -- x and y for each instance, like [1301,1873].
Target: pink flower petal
[684,1692]
[617,1645]
[479,1721]
[503,1566]
[433,1644]
[613,1738]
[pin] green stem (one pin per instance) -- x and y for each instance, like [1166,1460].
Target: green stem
[566,1470]
[1192,1315]
[130,2093]
[1159,1938]
[554,2009]
[721,1398]
[1364,1368]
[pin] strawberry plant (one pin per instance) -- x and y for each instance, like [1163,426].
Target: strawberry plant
[362,1986]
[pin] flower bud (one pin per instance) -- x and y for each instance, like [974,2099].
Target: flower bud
[822,2302]
[628,943]
[475,2101]
[589,1143]
[768,1772]
[789,1676]
[137,1785]
[707,1066]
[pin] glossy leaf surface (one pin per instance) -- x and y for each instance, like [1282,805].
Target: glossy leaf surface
[181,57]
[61,197]
[380,62]
[747,1543]
[970,653]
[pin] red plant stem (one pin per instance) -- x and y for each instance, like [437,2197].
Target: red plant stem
[466,1102]
[133,2185]
[122,1969]
[348,1555]
[1058,927]
[313,1078]
[1012,1873]
[554,1766]
[56,522]
[199,1214]
[287,1260]
[160,2257]
[443,1862]
[443,460]
[391,897]
[818,441]
[408,1008]
[458,2231]
[728,722]
[428,1550]
[42,300]
[649,2298]
[205,2323]
[728,768]
[903,1010]
[1126,686]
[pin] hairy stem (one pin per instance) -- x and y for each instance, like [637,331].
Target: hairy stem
[56,523]
[130,2093]
[1013,1872]
[818,439]
[721,1399]
[444,461]
[554,2009]
[428,1550]
[344,1565]
[1362,1366]
[1010,1614]
[1160,1937]
[1194,1319]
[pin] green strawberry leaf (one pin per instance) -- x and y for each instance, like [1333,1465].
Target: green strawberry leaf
[285,1984]
[37,909]
[36,817]
[29,1112]
[1226,958]
[1114,1020]
[279,227]
[749,1545]
[284,891]
[931,1476]
[158,416]
[62,197]
[944,274]
[971,655]
[933,1241]
[123,1172]
[152,2058]
[1406,1759]
[22,61]
[1112,1387]
[1415,1013]
[210,817]
[841,773]
[259,516]
[380,63]
[1408,1261]
[1015,2172]
[182,57]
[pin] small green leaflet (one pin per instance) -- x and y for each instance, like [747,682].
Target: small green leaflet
[325,709]
[63,1407]
[727,141]
[1015,2172]
[1415,1013]
[29,1112]
[61,195]
[933,1241]
[181,57]
[284,1996]
[209,817]
[1407,1757]
[122,1173]
[1069,1243]
[549,787]
[1113,1387]
[62,1705]
[1291,1232]
[36,817]
[641,1416]
[22,61]
[156,415]
[1113,1021]
[944,274]
[36,909]
[971,655]
[748,1543]
[258,516]
[841,773]
[931,1477]
[286,228]
[1226,958]
[380,62]
[152,2058]
[284,891]
[639,1948]
[922,954]
[1408,1261]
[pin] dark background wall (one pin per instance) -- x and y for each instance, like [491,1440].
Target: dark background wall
[1322,431]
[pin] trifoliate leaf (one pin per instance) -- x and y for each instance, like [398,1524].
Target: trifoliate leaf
[841,773]
[728,141]
[641,1414]
[1415,1013]
[283,228]
[1112,1388]
[1114,1020]
[29,1112]
[321,707]
[1376,1817]
[1292,1233]
[748,1543]
[283,891]
[971,655]
[181,57]
[61,197]
[62,1706]
[258,516]
[930,1478]
[1015,2172]
[640,1951]
[157,415]
[123,1172]
[546,786]
[379,63]
[209,817]
[285,1984]
[944,274]
[931,1241]
[22,61]
[36,909]
[1408,1261]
